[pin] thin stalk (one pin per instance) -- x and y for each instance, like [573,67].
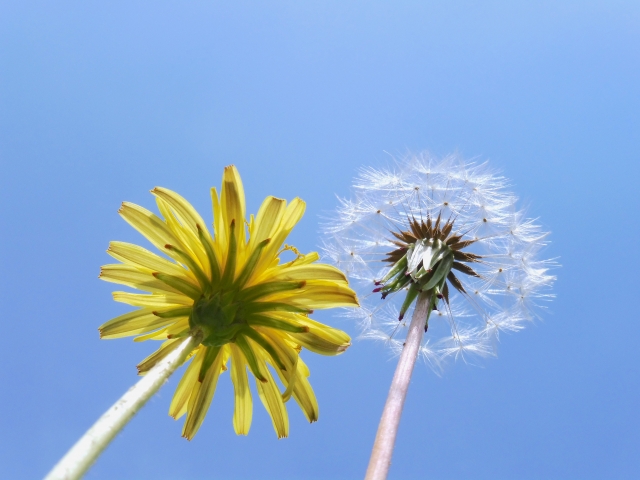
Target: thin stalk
[388,428]
[86,450]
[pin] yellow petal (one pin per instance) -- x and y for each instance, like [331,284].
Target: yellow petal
[268,219]
[145,260]
[303,369]
[292,215]
[181,396]
[243,409]
[220,234]
[268,350]
[179,329]
[272,401]
[319,344]
[133,323]
[201,396]
[157,300]
[190,242]
[317,294]
[304,394]
[270,291]
[302,391]
[180,285]
[272,321]
[155,335]
[186,214]
[318,271]
[320,338]
[134,278]
[165,349]
[276,268]
[149,225]
[251,355]
[305,259]
[250,264]
[232,202]
[251,224]
[267,222]
[148,262]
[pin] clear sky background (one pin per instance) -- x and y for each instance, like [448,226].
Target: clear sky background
[102,101]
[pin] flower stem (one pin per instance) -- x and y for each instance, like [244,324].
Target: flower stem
[86,450]
[388,428]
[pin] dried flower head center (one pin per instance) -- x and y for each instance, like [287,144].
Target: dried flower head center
[423,262]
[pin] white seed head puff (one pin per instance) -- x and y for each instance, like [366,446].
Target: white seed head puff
[512,282]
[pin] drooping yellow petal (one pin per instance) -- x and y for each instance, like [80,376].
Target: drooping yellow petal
[272,401]
[268,350]
[181,396]
[243,405]
[251,355]
[320,338]
[302,391]
[320,344]
[304,394]
[165,349]
[201,396]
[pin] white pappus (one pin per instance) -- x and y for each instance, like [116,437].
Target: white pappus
[508,281]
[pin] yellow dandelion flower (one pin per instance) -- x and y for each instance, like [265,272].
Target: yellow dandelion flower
[231,291]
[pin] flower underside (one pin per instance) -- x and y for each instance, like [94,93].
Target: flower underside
[424,261]
[230,290]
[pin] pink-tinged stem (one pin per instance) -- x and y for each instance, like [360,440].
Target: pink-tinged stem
[388,428]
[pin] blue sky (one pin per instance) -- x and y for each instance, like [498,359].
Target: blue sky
[101,102]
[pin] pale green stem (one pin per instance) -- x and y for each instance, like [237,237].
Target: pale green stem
[86,450]
[388,428]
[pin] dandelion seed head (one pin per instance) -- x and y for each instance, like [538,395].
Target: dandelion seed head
[506,283]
